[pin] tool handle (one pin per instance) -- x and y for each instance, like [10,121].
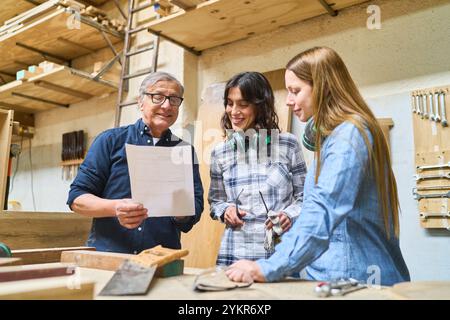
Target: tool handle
[159,256]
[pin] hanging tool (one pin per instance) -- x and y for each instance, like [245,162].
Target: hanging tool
[436,166]
[432,176]
[426,215]
[418,196]
[135,275]
[338,287]
[441,98]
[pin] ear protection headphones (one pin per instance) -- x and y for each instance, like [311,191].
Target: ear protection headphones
[243,142]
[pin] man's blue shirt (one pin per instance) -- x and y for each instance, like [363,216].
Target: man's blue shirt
[104,173]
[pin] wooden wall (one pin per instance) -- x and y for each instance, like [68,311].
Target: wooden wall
[29,230]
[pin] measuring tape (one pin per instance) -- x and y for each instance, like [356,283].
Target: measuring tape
[5,252]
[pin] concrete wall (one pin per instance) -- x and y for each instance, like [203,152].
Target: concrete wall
[409,52]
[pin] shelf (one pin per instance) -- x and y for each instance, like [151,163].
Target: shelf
[217,22]
[59,87]
[50,36]
[11,8]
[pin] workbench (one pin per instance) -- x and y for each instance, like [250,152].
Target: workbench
[181,288]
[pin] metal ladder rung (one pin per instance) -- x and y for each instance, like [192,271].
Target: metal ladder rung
[139,73]
[145,6]
[129,103]
[132,31]
[129,54]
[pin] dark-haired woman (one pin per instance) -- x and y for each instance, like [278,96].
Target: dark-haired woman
[257,173]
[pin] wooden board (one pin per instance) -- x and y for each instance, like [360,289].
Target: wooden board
[62,85]
[6,119]
[432,147]
[422,290]
[111,261]
[46,255]
[10,261]
[58,288]
[35,271]
[11,8]
[43,34]
[24,230]
[218,22]
[95,259]
[203,241]
[276,79]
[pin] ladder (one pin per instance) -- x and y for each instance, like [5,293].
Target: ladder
[125,76]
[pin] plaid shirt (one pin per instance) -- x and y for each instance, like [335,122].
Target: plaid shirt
[280,178]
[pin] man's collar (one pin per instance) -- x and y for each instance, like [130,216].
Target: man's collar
[142,129]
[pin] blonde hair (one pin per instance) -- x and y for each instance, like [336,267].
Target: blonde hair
[336,99]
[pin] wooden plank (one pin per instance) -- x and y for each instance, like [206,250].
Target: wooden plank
[432,147]
[35,271]
[61,85]
[58,288]
[422,290]
[217,22]
[6,123]
[43,34]
[45,255]
[11,8]
[111,261]
[24,230]
[203,241]
[95,259]
[186,4]
[10,261]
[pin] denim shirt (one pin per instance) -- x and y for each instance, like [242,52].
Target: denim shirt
[104,173]
[340,232]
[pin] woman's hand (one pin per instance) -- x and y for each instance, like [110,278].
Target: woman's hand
[245,271]
[231,218]
[285,222]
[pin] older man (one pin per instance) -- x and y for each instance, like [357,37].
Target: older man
[102,187]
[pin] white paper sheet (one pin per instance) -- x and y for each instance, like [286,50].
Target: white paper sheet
[162,179]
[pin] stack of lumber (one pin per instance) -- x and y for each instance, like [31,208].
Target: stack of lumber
[24,19]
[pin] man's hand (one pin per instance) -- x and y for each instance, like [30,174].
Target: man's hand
[231,219]
[245,271]
[130,214]
[285,222]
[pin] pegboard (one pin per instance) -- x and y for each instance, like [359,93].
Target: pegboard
[432,155]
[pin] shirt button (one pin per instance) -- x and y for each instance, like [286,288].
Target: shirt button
[135,252]
[148,141]
[139,229]
[145,127]
[142,133]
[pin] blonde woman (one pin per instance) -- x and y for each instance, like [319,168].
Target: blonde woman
[349,224]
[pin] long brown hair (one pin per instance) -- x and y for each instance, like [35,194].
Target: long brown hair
[256,90]
[335,99]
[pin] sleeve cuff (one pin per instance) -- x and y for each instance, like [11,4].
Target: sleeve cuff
[219,210]
[292,211]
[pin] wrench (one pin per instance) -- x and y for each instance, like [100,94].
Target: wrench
[443,111]
[432,176]
[437,166]
[436,106]
[418,103]
[430,102]
[424,99]
[419,197]
[425,215]
[431,188]
[413,103]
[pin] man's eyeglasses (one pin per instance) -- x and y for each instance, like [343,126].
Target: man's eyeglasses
[159,99]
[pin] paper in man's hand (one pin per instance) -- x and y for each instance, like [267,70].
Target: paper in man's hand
[161,179]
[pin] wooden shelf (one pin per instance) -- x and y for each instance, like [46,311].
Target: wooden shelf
[11,8]
[50,34]
[218,22]
[58,88]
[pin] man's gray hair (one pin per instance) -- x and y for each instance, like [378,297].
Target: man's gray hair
[153,78]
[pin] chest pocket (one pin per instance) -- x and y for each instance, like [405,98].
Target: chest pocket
[278,174]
